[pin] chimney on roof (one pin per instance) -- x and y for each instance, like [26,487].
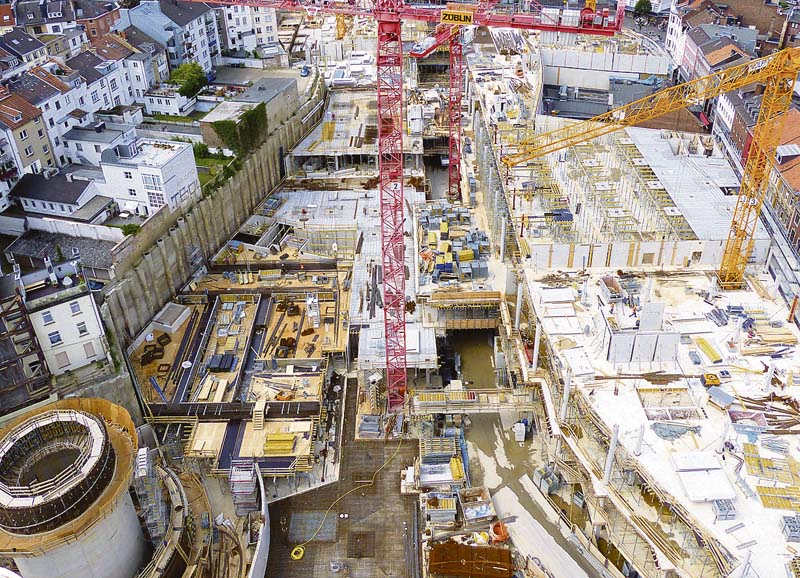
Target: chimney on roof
[69,177]
[100,126]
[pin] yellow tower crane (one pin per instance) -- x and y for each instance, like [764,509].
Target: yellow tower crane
[777,71]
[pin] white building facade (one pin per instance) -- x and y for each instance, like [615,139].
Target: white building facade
[68,327]
[148,174]
[188,30]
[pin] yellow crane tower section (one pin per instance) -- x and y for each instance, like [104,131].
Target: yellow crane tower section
[777,71]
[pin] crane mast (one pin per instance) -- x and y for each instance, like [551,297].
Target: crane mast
[390,14]
[779,72]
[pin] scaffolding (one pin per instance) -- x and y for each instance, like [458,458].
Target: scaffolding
[149,491]
[24,374]
[244,487]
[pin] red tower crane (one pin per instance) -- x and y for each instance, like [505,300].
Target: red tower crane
[390,14]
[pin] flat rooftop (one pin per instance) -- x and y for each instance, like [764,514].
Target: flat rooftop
[150,152]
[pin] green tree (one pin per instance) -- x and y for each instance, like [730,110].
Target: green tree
[130,229]
[201,150]
[190,78]
[642,8]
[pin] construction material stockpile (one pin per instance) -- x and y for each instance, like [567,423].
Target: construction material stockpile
[452,249]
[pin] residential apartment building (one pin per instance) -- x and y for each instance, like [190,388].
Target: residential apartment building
[55,99]
[97,17]
[148,174]
[152,70]
[784,182]
[67,325]
[684,16]
[244,28]
[85,144]
[66,45]
[7,18]
[105,82]
[56,196]
[25,131]
[188,30]
[167,100]
[10,65]
[27,49]
[736,115]
[144,68]
[704,54]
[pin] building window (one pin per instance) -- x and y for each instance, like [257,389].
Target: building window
[23,135]
[75,307]
[47,317]
[51,123]
[28,151]
[113,84]
[62,359]
[82,329]
[78,146]
[37,120]
[128,175]
[97,148]
[40,132]
[45,149]
[155,199]
[132,192]
[58,105]
[152,182]
[88,349]
[55,338]
[95,96]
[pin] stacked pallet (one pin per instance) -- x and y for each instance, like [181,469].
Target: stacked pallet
[279,444]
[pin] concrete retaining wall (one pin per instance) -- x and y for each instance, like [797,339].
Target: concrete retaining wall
[151,271]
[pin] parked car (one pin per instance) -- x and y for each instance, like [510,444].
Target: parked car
[305,71]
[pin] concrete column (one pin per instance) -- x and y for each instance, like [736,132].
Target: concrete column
[562,414]
[178,247]
[503,226]
[639,441]
[612,447]
[167,269]
[536,339]
[128,302]
[518,310]
[146,285]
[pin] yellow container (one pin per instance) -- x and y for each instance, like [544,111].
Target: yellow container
[466,255]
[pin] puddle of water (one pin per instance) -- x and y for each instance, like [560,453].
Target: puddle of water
[475,348]
[505,467]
